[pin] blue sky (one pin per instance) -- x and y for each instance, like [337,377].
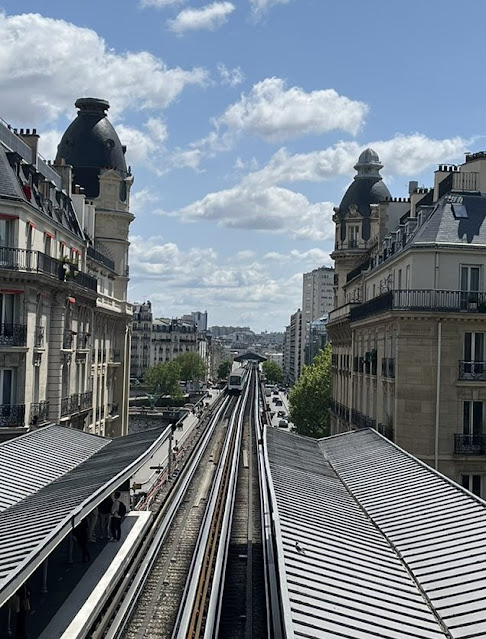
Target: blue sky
[243,120]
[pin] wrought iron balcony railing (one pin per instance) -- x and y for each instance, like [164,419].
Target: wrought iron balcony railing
[362,421]
[39,413]
[115,355]
[67,339]
[440,301]
[339,409]
[85,400]
[13,335]
[76,403]
[101,258]
[12,415]
[469,444]
[39,337]
[83,341]
[472,371]
[34,261]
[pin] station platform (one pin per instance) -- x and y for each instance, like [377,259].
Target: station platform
[94,587]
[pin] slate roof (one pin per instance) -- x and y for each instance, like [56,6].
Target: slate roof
[442,227]
[374,543]
[32,527]
[250,356]
[23,466]
[9,185]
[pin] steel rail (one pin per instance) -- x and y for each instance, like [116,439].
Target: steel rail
[131,586]
[212,537]
[275,625]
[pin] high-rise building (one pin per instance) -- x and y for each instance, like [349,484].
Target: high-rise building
[317,301]
[408,330]
[65,320]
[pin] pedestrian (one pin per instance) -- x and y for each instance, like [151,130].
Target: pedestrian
[81,535]
[116,517]
[20,604]
[92,518]
[104,511]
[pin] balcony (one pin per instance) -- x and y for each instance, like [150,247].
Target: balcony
[339,409]
[83,340]
[362,421]
[39,337]
[100,258]
[12,415]
[422,300]
[39,413]
[76,403]
[67,340]
[13,335]
[114,356]
[469,444]
[472,371]
[16,259]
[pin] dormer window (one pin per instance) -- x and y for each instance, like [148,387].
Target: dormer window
[459,211]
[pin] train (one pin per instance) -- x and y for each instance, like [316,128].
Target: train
[236,380]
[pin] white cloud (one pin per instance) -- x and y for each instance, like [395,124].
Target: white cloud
[141,200]
[270,209]
[260,202]
[230,77]
[210,17]
[48,142]
[261,6]
[273,112]
[243,289]
[45,64]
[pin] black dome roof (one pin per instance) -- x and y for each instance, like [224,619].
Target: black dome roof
[90,143]
[367,188]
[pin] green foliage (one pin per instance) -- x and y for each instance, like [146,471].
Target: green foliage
[272,372]
[224,369]
[163,379]
[192,367]
[309,398]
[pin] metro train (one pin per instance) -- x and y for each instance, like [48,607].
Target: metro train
[236,380]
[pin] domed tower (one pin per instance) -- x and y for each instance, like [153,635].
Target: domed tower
[93,149]
[354,218]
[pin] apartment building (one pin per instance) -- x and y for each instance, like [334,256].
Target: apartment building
[409,324]
[64,318]
[317,301]
[155,341]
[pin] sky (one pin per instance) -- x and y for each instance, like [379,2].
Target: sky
[243,120]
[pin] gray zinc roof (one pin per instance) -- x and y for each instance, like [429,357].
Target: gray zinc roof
[31,528]
[373,543]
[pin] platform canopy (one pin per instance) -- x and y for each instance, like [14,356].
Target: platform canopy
[371,542]
[51,479]
[250,357]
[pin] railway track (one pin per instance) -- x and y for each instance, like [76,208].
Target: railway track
[200,571]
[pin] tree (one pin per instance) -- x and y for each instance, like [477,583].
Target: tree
[309,398]
[272,372]
[192,366]
[224,369]
[163,379]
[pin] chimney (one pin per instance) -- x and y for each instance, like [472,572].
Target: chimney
[32,139]
[66,173]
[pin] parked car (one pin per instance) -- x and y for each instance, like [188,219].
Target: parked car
[278,402]
[281,413]
[283,423]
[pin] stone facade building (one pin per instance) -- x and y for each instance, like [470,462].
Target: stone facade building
[64,324]
[409,324]
[317,301]
[155,341]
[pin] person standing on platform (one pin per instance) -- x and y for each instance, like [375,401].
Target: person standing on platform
[81,535]
[116,518]
[104,510]
[92,518]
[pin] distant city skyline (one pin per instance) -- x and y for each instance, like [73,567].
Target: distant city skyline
[242,123]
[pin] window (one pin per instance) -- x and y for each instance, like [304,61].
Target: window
[472,420]
[472,483]
[7,387]
[6,232]
[47,244]
[470,278]
[407,277]
[473,347]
